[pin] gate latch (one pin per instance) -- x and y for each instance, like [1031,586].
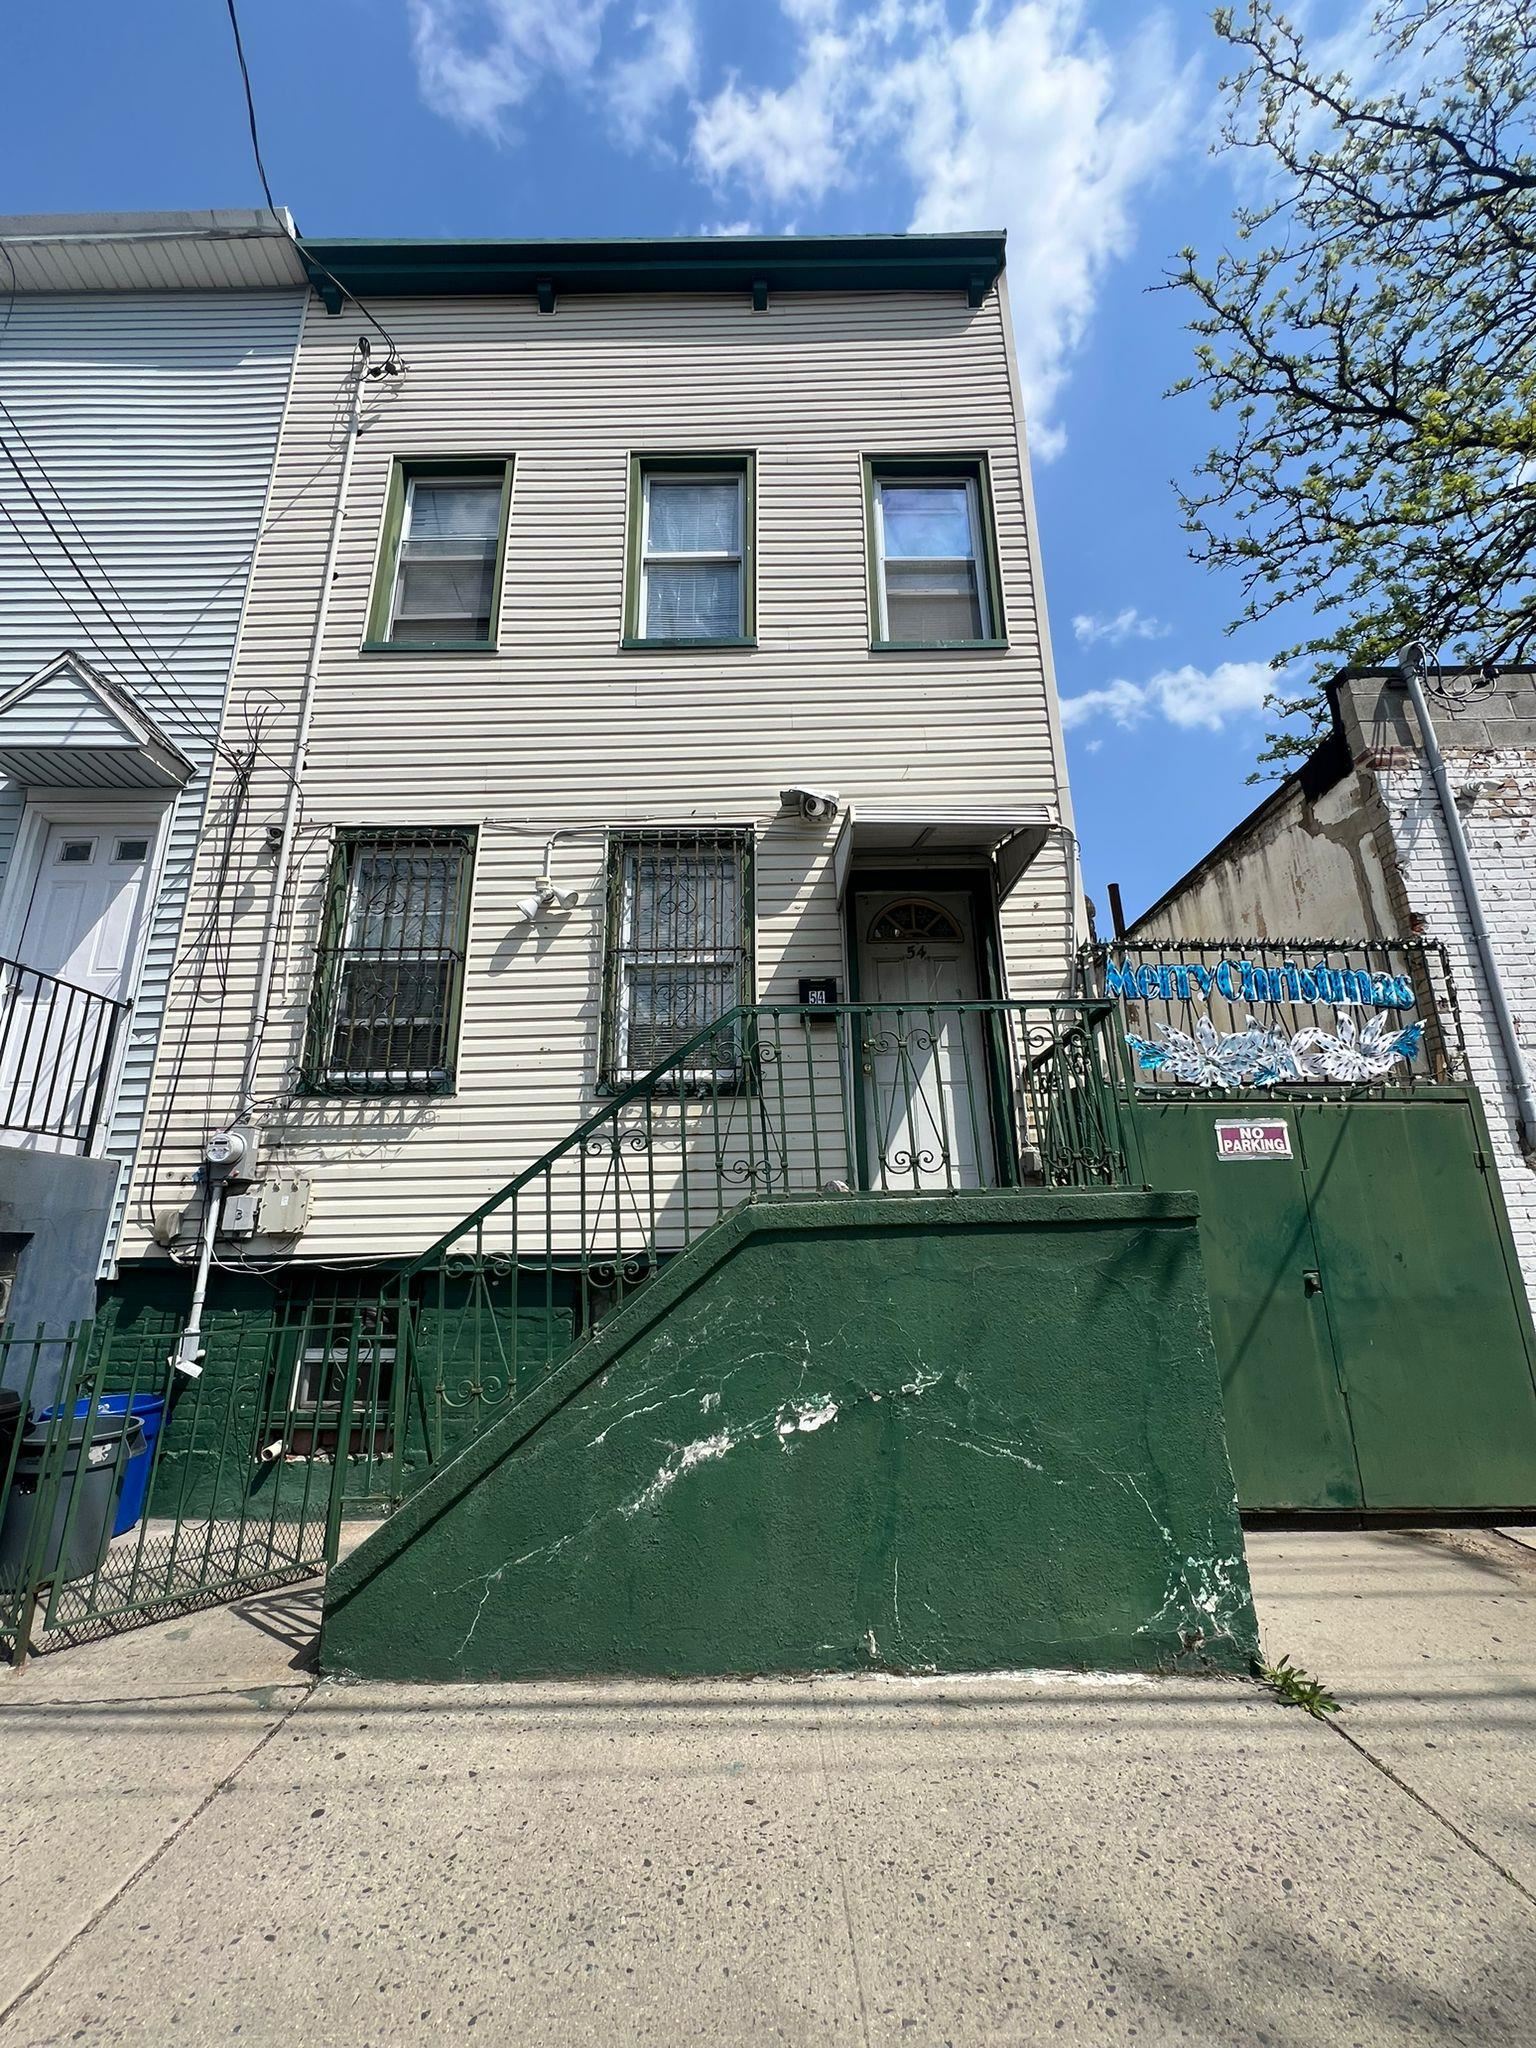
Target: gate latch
[1312,1281]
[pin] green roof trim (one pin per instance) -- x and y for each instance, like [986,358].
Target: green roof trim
[750,264]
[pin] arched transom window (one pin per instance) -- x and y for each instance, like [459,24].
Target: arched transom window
[902,923]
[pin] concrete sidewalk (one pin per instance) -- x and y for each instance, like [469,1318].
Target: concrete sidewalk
[199,1845]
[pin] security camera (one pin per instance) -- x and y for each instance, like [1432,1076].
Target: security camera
[814,805]
[1490,671]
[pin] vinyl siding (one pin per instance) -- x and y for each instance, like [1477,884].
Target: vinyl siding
[560,729]
[154,418]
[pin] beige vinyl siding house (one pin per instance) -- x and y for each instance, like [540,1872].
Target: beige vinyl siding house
[944,760]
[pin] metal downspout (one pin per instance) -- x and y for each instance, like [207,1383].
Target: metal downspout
[1461,853]
[187,1355]
[291,799]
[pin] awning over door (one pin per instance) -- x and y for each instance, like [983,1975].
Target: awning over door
[71,728]
[914,833]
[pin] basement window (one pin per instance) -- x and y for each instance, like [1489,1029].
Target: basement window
[678,954]
[389,977]
[309,1394]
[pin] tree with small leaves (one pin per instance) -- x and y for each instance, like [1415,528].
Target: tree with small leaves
[1369,340]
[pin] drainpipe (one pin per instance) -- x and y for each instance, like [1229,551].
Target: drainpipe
[1412,668]
[289,830]
[226,1153]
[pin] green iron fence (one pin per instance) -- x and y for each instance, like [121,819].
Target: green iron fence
[129,1492]
[354,1391]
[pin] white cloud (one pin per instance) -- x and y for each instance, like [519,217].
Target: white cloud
[785,142]
[1017,114]
[667,63]
[1187,697]
[1128,624]
[477,61]
[1025,119]
[728,227]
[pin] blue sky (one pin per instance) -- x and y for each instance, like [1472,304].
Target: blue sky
[1081,128]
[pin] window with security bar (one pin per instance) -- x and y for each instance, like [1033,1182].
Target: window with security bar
[440,572]
[678,951]
[332,1339]
[390,973]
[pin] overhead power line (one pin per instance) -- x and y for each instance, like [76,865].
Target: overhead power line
[396,360]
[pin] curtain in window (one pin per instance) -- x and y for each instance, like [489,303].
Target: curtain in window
[395,970]
[448,562]
[698,599]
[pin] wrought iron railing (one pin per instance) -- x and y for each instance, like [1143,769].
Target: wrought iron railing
[56,1045]
[360,1386]
[771,1102]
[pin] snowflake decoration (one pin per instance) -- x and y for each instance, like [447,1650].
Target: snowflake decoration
[1258,1058]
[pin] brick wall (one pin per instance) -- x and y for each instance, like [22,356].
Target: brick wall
[1495,788]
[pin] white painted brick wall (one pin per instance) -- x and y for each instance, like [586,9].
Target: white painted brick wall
[1500,824]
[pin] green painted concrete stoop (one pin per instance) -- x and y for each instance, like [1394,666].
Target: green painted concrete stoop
[961,1433]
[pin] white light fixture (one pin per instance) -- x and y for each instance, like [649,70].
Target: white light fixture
[546,897]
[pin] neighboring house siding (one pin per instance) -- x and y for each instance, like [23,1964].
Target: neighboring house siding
[154,417]
[561,728]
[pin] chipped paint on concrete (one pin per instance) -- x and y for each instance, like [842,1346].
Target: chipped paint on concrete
[941,1436]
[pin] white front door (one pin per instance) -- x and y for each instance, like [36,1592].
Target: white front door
[925,1063]
[81,929]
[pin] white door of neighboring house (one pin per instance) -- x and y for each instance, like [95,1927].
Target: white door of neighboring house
[928,1102]
[81,929]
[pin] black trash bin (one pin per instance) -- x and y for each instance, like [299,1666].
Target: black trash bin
[92,1463]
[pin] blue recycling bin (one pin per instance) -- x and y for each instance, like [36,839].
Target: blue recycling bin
[150,1411]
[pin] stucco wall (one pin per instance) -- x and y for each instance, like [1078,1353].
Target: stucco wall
[60,1205]
[941,1434]
[1309,868]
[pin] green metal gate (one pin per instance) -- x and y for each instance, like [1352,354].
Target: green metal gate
[1369,1313]
[77,1558]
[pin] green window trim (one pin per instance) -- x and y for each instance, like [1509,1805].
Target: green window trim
[976,469]
[323,1072]
[676,945]
[404,471]
[740,462]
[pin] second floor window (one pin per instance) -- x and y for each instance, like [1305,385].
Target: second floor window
[440,576]
[390,970]
[691,576]
[934,582]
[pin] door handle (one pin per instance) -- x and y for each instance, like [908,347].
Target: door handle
[1312,1281]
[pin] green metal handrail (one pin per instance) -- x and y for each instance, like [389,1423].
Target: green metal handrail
[766,1102]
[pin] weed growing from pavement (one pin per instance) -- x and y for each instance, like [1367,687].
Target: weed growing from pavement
[1294,1687]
